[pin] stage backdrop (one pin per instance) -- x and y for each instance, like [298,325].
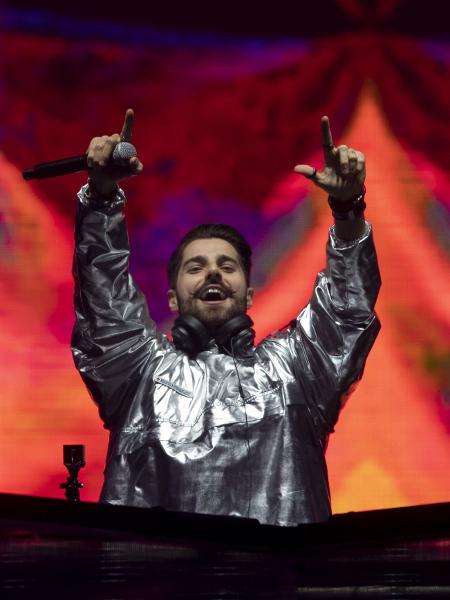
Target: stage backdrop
[219,126]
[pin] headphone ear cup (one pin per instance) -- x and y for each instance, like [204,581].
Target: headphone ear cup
[190,335]
[236,336]
[243,341]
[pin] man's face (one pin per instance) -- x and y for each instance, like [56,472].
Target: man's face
[211,283]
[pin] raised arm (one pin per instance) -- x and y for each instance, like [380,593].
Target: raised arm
[113,335]
[335,332]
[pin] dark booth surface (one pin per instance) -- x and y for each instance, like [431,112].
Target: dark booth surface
[57,549]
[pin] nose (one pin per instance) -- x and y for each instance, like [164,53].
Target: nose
[214,276]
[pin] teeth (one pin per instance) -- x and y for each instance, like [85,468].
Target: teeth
[215,291]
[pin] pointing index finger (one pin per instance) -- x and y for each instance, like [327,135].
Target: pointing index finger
[327,139]
[127,129]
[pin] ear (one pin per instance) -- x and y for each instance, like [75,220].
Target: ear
[172,299]
[250,292]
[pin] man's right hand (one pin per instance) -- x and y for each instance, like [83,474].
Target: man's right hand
[104,177]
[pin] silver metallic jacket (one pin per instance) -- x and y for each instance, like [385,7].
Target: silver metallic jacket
[181,435]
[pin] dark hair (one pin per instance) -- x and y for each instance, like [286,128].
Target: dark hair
[206,231]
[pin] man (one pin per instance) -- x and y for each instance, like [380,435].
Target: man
[209,423]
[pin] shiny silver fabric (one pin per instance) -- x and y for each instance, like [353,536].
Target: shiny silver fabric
[182,436]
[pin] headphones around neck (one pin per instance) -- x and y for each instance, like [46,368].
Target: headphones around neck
[235,337]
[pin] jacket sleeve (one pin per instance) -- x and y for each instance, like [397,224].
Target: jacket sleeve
[333,335]
[113,336]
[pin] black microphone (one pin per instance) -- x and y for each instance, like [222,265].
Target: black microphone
[121,155]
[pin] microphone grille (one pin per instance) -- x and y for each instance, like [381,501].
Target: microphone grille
[122,153]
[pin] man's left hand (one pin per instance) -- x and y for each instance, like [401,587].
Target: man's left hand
[344,171]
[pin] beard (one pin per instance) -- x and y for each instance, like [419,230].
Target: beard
[212,316]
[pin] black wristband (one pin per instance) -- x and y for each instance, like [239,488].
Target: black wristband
[94,193]
[348,210]
[91,198]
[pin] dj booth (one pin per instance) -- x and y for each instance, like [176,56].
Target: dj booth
[79,550]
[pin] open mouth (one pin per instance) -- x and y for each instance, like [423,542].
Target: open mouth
[213,294]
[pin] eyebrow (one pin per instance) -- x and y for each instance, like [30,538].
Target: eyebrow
[202,260]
